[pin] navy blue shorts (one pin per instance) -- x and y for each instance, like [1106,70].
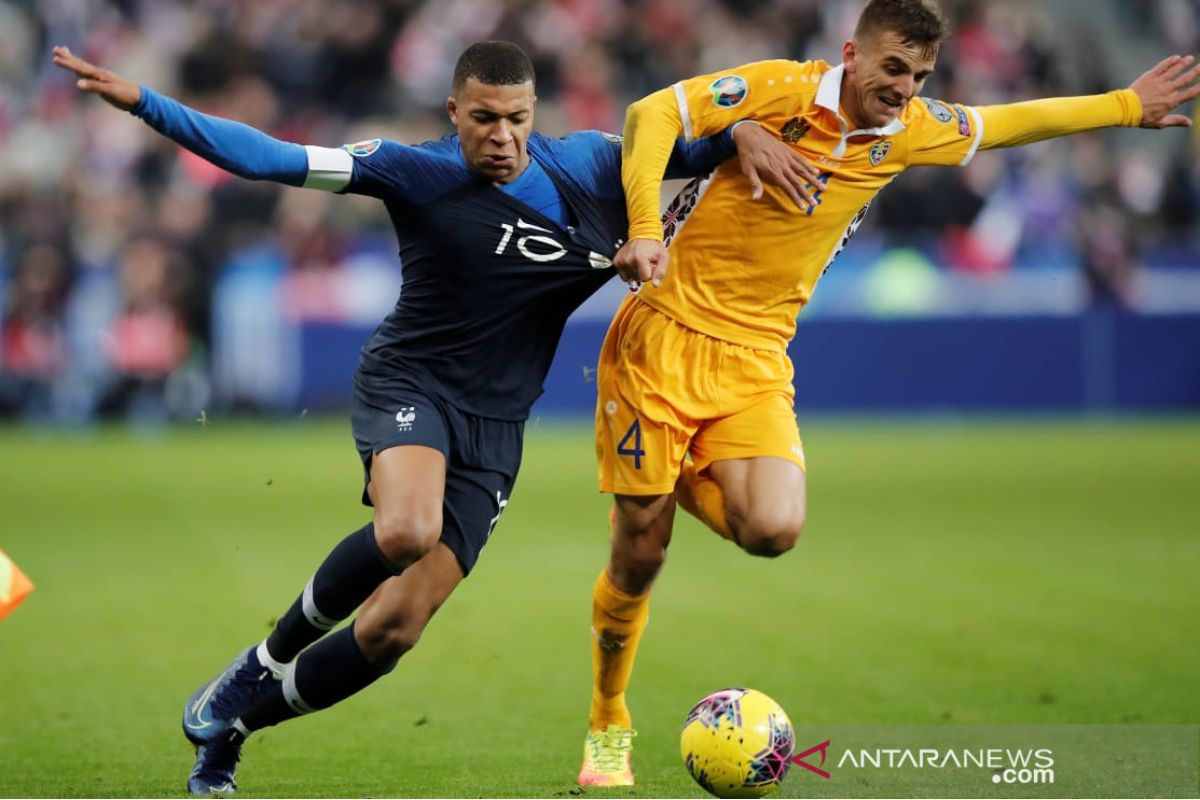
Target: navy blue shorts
[482,456]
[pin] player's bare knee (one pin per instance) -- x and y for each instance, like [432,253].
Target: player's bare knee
[405,537]
[638,516]
[770,534]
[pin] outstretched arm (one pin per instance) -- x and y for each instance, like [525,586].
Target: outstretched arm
[1150,102]
[241,149]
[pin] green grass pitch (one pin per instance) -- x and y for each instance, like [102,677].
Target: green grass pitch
[983,572]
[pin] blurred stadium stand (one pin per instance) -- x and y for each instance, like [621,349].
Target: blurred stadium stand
[140,281]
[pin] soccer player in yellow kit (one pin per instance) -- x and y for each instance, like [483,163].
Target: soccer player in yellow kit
[696,363]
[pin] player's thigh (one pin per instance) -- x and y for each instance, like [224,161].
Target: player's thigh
[646,402]
[764,496]
[393,617]
[402,439]
[408,484]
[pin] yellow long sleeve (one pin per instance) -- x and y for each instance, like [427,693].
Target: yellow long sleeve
[652,125]
[1037,120]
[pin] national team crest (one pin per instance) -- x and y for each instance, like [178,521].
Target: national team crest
[729,91]
[363,148]
[879,151]
[795,130]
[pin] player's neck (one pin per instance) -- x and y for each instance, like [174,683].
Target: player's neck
[849,105]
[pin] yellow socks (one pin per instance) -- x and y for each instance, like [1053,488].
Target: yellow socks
[618,620]
[703,499]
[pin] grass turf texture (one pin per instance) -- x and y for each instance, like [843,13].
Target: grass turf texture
[1002,572]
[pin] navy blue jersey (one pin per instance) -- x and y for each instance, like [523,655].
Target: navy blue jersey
[489,281]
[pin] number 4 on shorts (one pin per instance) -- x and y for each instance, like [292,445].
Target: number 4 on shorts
[634,433]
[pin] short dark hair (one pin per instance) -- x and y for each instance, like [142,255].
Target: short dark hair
[493,63]
[919,22]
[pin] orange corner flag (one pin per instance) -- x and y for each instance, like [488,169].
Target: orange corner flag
[14,586]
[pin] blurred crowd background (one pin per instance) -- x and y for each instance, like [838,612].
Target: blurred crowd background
[137,280]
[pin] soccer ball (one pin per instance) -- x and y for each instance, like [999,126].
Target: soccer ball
[737,743]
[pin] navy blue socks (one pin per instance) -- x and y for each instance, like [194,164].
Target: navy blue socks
[346,578]
[327,673]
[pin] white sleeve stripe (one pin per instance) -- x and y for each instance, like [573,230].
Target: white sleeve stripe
[978,135]
[681,100]
[329,168]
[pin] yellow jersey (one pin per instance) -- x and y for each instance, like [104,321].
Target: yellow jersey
[741,270]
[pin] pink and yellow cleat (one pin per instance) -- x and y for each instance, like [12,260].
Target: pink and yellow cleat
[606,758]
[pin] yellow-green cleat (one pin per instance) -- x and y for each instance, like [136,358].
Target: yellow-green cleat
[606,757]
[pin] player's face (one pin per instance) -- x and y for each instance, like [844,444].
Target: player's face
[494,123]
[883,73]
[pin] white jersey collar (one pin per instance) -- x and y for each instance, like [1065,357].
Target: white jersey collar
[829,97]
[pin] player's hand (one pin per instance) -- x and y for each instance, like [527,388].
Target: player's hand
[765,158]
[642,261]
[101,82]
[1164,88]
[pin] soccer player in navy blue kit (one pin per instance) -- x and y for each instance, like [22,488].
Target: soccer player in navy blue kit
[503,233]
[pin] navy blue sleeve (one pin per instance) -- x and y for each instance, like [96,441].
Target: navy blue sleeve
[412,173]
[593,159]
[244,151]
[700,157]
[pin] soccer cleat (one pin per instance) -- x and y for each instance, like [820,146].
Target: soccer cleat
[606,757]
[213,707]
[216,765]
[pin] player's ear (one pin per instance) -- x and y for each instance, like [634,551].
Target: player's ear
[452,109]
[849,55]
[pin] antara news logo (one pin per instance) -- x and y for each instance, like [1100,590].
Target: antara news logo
[1008,766]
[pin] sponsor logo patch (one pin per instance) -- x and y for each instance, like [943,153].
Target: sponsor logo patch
[795,130]
[728,91]
[363,148]
[939,110]
[612,137]
[879,151]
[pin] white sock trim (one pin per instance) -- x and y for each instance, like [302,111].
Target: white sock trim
[267,660]
[312,613]
[291,694]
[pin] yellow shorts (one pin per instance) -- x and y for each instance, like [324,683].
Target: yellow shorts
[665,390]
